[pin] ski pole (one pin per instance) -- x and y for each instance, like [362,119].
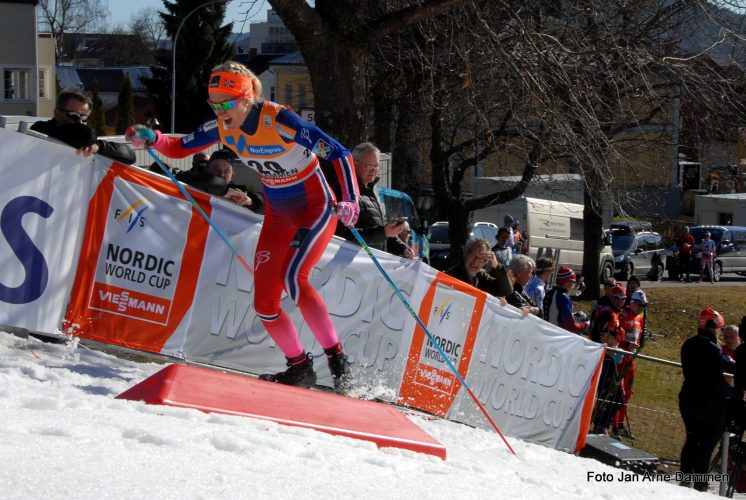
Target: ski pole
[427,332]
[201,212]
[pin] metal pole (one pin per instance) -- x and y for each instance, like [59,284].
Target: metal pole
[724,462]
[173,59]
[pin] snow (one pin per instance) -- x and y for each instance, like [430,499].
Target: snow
[63,435]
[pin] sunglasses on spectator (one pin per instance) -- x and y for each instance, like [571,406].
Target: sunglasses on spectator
[74,116]
[225,105]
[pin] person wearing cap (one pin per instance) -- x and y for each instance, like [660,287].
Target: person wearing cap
[632,322]
[685,242]
[605,299]
[609,314]
[68,125]
[536,288]
[606,328]
[703,399]
[508,224]
[558,308]
[301,210]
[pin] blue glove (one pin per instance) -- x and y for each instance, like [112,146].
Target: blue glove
[140,135]
[728,359]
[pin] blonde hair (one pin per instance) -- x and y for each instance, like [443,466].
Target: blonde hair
[239,69]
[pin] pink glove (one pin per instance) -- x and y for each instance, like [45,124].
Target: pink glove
[347,212]
[140,135]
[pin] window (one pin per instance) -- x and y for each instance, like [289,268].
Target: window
[301,95]
[16,83]
[43,92]
[289,94]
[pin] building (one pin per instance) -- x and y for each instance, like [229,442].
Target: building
[26,61]
[271,36]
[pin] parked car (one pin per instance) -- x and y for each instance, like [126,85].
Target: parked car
[637,250]
[730,257]
[440,243]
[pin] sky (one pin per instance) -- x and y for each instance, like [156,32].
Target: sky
[121,10]
[64,435]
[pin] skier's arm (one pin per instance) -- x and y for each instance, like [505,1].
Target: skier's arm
[178,147]
[323,146]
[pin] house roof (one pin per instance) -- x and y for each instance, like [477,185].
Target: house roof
[68,77]
[109,79]
[293,58]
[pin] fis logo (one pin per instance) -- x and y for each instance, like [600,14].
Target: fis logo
[215,81]
[133,214]
[267,121]
[443,311]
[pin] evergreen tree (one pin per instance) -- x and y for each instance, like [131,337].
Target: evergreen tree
[202,45]
[125,107]
[97,120]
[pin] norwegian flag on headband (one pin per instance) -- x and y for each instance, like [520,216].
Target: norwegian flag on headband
[229,83]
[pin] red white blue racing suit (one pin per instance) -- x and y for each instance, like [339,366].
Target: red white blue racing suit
[298,223]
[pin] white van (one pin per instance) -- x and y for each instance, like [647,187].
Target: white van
[554,228]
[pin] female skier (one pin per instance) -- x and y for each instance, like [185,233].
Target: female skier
[298,221]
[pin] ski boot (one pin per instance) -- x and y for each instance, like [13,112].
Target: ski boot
[340,368]
[299,373]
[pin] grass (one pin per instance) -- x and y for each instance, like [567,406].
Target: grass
[673,316]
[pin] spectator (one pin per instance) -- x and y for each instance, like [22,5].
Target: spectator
[633,284]
[685,242]
[522,266]
[558,308]
[609,313]
[470,270]
[508,224]
[517,237]
[610,395]
[199,161]
[703,398]
[371,224]
[68,125]
[502,249]
[605,299]
[708,249]
[536,287]
[405,233]
[633,323]
[731,341]
[739,374]
[220,165]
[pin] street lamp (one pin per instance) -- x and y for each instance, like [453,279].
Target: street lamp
[173,58]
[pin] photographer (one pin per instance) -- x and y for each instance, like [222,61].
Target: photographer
[703,398]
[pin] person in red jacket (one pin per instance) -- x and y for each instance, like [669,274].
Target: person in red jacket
[685,242]
[632,323]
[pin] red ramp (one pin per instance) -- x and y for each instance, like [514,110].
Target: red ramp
[218,392]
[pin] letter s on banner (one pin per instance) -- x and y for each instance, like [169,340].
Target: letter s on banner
[31,258]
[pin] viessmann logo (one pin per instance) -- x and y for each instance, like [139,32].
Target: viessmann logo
[133,214]
[443,311]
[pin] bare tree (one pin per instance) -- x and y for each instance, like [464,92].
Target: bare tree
[62,17]
[147,23]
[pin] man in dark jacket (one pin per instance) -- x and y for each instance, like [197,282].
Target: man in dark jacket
[68,126]
[703,398]
[371,224]
[470,270]
[522,266]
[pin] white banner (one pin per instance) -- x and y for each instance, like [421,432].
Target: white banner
[153,275]
[45,189]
